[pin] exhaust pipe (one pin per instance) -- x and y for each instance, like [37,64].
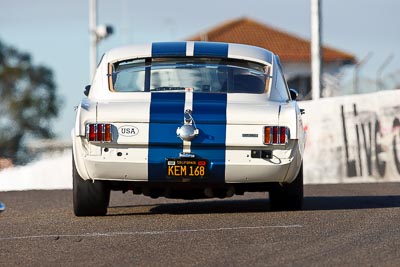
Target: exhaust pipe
[209,192]
[230,192]
[219,192]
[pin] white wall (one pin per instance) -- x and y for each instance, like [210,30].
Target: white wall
[366,126]
[54,171]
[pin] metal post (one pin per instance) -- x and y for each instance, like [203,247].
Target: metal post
[316,57]
[356,73]
[379,83]
[93,37]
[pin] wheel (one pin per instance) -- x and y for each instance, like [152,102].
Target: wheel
[89,198]
[288,196]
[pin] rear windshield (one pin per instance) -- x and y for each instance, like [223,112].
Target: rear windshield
[199,74]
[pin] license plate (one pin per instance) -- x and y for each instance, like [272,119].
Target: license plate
[186,168]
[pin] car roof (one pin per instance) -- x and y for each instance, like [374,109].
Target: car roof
[189,49]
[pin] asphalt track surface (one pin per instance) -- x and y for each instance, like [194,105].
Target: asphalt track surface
[341,225]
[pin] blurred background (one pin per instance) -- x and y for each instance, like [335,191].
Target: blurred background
[44,67]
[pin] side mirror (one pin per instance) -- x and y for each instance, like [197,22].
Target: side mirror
[293,94]
[86,91]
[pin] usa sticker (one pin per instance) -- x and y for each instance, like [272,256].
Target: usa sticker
[128,130]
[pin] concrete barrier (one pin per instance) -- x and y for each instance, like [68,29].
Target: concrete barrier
[353,138]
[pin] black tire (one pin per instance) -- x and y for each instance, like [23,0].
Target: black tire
[89,198]
[288,196]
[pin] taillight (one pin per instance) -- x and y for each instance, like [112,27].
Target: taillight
[91,132]
[267,135]
[99,132]
[107,133]
[100,128]
[282,135]
[275,131]
[276,135]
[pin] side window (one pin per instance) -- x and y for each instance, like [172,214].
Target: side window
[279,92]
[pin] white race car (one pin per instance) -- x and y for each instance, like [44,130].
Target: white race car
[188,120]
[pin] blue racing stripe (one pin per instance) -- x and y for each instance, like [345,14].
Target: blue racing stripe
[209,113]
[203,49]
[168,49]
[166,114]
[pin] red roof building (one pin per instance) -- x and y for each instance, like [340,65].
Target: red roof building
[294,51]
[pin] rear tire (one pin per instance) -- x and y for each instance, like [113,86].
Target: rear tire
[288,196]
[89,198]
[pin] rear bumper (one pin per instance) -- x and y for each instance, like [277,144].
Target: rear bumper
[121,163]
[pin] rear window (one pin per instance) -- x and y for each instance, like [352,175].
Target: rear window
[199,74]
